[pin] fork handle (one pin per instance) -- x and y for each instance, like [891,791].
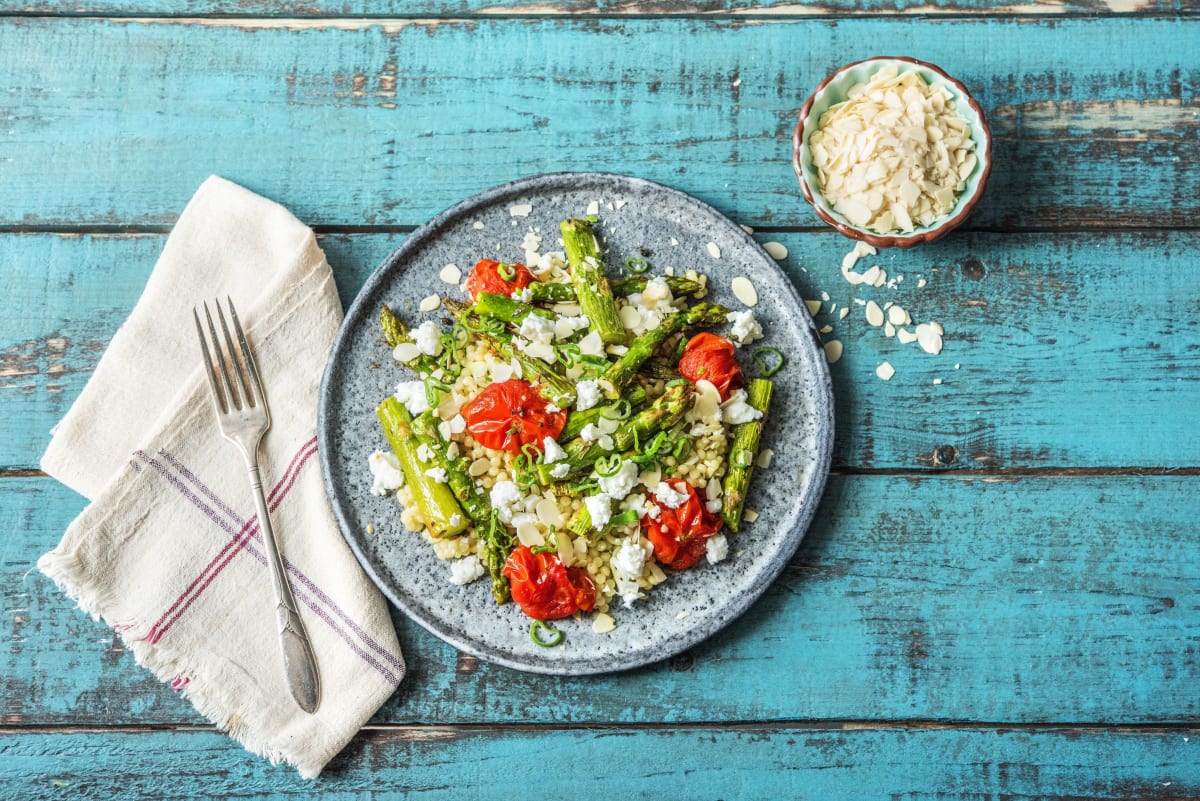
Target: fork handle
[299,662]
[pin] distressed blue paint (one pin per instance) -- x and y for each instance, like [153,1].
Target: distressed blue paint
[1034,600]
[701,764]
[117,121]
[1048,330]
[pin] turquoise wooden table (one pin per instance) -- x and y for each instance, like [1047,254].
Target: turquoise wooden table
[1000,596]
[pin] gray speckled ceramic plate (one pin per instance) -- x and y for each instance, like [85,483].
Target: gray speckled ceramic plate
[675,229]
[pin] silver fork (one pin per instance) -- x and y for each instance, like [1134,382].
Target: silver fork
[241,407]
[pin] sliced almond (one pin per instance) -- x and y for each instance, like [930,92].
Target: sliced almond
[603,623]
[814,307]
[905,336]
[929,338]
[430,302]
[842,314]
[529,534]
[833,351]
[405,352]
[548,512]
[874,313]
[744,290]
[713,250]
[520,210]
[885,371]
[450,274]
[776,250]
[764,458]
[749,515]
[897,316]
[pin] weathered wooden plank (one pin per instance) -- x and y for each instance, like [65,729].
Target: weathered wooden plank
[1036,600]
[704,763]
[1075,350]
[540,8]
[117,121]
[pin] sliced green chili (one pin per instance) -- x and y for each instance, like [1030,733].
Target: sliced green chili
[506,271]
[636,265]
[625,518]
[607,466]
[682,450]
[537,628]
[618,411]
[676,382]
[768,370]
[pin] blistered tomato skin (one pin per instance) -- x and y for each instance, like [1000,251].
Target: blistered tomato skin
[709,357]
[498,278]
[680,535]
[508,415]
[544,588]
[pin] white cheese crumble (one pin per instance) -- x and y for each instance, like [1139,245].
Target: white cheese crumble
[620,483]
[599,509]
[438,474]
[587,394]
[745,328]
[385,468]
[505,498]
[551,451]
[716,548]
[424,452]
[561,470]
[736,411]
[627,564]
[590,433]
[525,295]
[412,395]
[466,570]
[668,496]
[565,327]
[428,338]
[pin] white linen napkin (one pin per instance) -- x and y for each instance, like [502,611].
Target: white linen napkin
[168,552]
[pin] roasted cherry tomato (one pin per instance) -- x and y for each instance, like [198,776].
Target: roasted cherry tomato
[680,535]
[710,357]
[499,278]
[509,414]
[544,588]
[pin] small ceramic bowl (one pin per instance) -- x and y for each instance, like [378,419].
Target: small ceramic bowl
[833,90]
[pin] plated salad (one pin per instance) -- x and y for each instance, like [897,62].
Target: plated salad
[574,431]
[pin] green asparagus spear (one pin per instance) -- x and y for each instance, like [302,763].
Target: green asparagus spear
[591,285]
[577,421]
[434,499]
[742,453]
[620,287]
[659,367]
[394,329]
[507,309]
[472,499]
[622,371]
[665,412]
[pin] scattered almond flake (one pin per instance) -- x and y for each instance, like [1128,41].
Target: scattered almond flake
[826,329]
[682,615]
[744,290]
[937,381]
[889,305]
[603,623]
[929,338]
[920,283]
[746,228]
[450,274]
[832,308]
[860,301]
[897,316]
[529,534]
[905,336]
[580,545]
[885,371]
[937,327]
[669,271]
[674,242]
[593,208]
[814,306]
[713,489]
[776,250]
[956,366]
[889,330]
[608,206]
[842,314]
[833,351]
[825,296]
[430,303]
[620,204]
[749,515]
[405,352]
[874,313]
[713,250]
[764,458]
[520,210]
[477,225]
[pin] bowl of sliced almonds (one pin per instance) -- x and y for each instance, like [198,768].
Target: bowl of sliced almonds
[892,151]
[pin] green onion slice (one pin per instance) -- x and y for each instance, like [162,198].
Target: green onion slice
[624,519]
[608,465]
[618,411]
[742,458]
[682,450]
[506,271]
[636,265]
[677,382]
[764,366]
[544,635]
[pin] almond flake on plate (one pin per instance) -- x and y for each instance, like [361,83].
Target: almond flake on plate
[885,371]
[874,313]
[450,274]
[713,250]
[603,623]
[520,210]
[430,302]
[744,290]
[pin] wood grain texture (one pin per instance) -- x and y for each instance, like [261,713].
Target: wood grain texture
[1038,600]
[1059,338]
[545,8]
[374,123]
[705,763]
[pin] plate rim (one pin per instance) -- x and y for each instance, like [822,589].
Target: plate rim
[325,435]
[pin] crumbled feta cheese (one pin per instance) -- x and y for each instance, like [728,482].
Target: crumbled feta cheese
[590,433]
[587,394]
[525,295]
[565,326]
[520,209]
[622,482]
[629,560]
[599,509]
[412,395]
[428,338]
[537,328]
[504,497]
[737,411]
[456,519]
[385,468]
[560,470]
[452,451]
[424,452]
[466,570]
[713,506]
[656,294]
[716,548]
[458,424]
[745,328]
[606,442]
[668,496]
[438,474]
[551,451]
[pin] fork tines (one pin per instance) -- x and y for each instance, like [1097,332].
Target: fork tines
[231,371]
